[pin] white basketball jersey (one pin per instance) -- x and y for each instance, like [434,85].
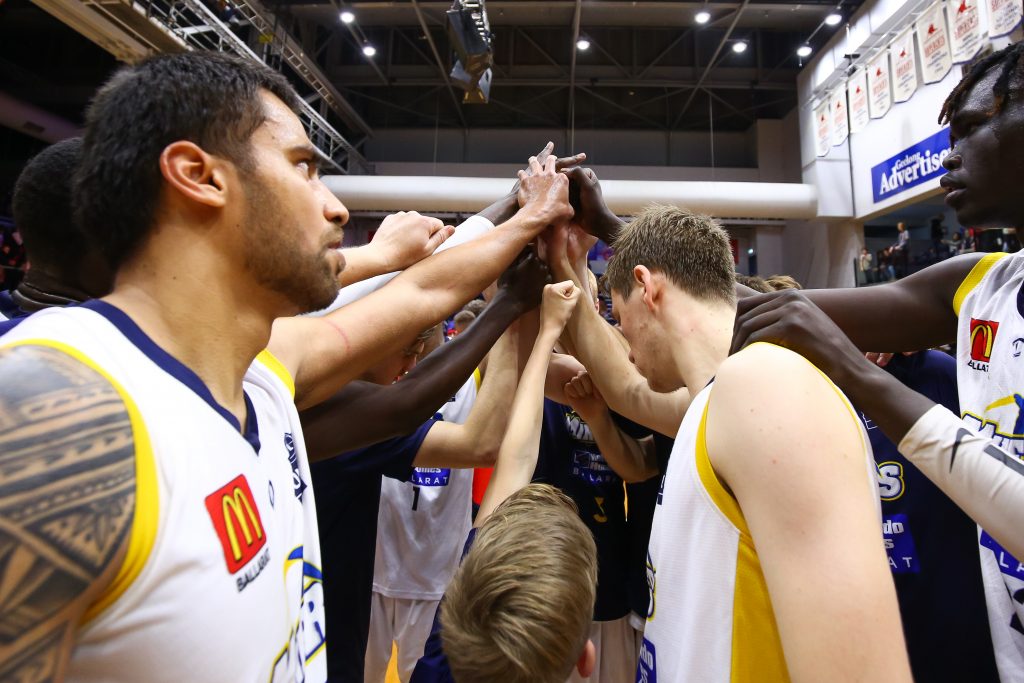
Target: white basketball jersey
[990,378]
[222,577]
[709,618]
[422,523]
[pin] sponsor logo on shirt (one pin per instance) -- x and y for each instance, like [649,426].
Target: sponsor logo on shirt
[592,468]
[890,480]
[430,476]
[646,668]
[982,339]
[293,460]
[236,519]
[899,545]
[1008,564]
[579,429]
[1002,421]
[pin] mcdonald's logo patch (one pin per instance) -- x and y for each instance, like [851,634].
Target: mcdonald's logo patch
[983,338]
[237,522]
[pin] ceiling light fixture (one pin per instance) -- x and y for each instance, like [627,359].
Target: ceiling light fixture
[834,19]
[803,51]
[702,17]
[347,17]
[583,44]
[739,47]
[369,50]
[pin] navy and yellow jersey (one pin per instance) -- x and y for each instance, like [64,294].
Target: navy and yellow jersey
[569,459]
[348,496]
[932,546]
[643,498]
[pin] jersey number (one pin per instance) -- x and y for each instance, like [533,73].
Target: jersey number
[415,497]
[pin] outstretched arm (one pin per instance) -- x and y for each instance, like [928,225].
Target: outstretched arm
[67,473]
[323,354]
[362,413]
[396,245]
[632,459]
[517,457]
[801,474]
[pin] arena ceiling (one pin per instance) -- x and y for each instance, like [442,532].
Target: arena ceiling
[650,66]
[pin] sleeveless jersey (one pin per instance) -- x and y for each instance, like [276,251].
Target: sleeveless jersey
[422,523]
[221,581]
[709,618]
[990,375]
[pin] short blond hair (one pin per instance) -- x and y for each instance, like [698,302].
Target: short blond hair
[758,284]
[780,282]
[691,249]
[519,608]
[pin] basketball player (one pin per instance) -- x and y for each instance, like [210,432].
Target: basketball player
[65,268]
[769,456]
[155,487]
[971,300]
[519,607]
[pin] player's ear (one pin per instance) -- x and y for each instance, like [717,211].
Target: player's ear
[649,286]
[588,660]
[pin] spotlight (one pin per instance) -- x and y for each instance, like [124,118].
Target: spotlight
[347,17]
[702,17]
[583,44]
[739,47]
[369,50]
[803,51]
[834,19]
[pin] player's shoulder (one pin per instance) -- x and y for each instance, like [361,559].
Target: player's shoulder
[769,382]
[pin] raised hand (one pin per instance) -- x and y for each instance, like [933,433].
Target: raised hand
[584,397]
[524,280]
[406,237]
[557,306]
[560,163]
[544,193]
[592,214]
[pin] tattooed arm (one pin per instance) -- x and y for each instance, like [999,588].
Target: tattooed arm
[67,497]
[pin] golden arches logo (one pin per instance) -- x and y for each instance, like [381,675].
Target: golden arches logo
[234,503]
[236,520]
[982,339]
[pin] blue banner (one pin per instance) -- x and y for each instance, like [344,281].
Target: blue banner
[911,167]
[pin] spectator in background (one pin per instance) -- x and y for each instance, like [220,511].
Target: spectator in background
[462,320]
[476,306]
[778,282]
[864,265]
[938,232]
[899,253]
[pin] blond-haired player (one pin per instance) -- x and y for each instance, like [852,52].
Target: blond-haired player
[519,608]
[765,560]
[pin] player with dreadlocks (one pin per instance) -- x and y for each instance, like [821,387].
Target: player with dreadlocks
[975,301]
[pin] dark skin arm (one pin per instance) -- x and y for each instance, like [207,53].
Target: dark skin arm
[506,207]
[792,319]
[67,499]
[363,413]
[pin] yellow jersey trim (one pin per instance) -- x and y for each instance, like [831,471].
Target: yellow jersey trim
[720,496]
[974,278]
[477,378]
[278,368]
[145,519]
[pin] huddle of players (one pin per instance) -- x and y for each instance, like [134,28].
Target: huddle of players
[764,560]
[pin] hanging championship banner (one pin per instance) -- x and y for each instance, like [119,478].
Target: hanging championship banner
[965,32]
[879,94]
[840,124]
[1003,16]
[904,66]
[857,94]
[822,124]
[936,60]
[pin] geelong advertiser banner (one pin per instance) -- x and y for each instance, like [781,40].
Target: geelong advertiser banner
[911,167]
